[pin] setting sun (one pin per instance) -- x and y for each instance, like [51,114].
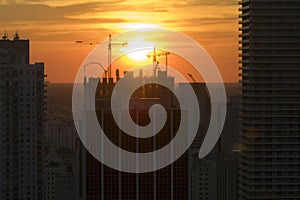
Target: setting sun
[142,47]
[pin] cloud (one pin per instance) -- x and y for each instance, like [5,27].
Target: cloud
[65,2]
[192,3]
[51,15]
[44,22]
[40,12]
[203,20]
[16,12]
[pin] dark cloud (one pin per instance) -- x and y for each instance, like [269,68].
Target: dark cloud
[78,34]
[40,12]
[204,20]
[16,12]
[13,12]
[36,14]
[193,3]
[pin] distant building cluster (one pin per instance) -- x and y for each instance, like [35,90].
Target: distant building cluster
[61,134]
[60,181]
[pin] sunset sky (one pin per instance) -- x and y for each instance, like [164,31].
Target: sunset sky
[53,26]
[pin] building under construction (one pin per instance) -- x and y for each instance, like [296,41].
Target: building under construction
[98,181]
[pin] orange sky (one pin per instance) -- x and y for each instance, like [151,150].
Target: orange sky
[53,27]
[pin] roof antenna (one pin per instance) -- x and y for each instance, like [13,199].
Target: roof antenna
[5,36]
[17,36]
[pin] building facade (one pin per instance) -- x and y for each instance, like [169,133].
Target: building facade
[187,178]
[61,134]
[60,183]
[202,172]
[270,111]
[101,182]
[22,118]
[227,167]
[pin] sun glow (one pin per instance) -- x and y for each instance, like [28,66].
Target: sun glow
[141,47]
[138,55]
[138,26]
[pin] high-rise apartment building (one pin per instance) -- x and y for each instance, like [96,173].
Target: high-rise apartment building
[202,172]
[22,104]
[59,178]
[270,111]
[227,167]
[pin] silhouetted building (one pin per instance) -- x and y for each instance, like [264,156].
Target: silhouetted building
[22,117]
[101,182]
[187,178]
[202,172]
[60,181]
[270,111]
[61,134]
[227,163]
[203,175]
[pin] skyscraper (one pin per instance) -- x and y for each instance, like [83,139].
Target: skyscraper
[22,104]
[101,182]
[227,167]
[202,172]
[270,111]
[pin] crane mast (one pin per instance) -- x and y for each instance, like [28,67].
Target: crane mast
[155,62]
[109,47]
[110,44]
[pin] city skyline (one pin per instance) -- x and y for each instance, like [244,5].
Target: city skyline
[188,99]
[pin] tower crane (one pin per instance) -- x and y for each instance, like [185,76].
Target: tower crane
[155,62]
[165,53]
[110,43]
